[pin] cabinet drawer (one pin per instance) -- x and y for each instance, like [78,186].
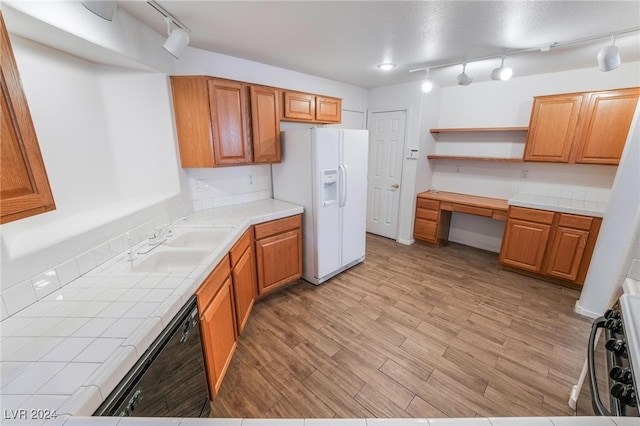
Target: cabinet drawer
[427,214]
[575,222]
[239,247]
[213,283]
[274,227]
[424,203]
[425,230]
[540,216]
[478,211]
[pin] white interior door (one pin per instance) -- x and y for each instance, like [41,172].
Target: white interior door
[386,152]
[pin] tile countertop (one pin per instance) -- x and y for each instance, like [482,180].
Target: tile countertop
[68,351]
[564,199]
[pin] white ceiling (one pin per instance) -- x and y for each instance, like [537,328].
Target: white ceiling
[345,40]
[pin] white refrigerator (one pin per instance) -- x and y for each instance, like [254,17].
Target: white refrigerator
[325,171]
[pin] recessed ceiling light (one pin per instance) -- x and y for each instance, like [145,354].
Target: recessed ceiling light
[387,66]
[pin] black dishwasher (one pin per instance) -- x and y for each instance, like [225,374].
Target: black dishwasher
[169,380]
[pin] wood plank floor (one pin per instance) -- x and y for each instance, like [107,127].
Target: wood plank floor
[414,331]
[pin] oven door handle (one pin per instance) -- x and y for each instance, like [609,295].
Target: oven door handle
[598,407]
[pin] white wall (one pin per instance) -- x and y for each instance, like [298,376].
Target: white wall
[106,137]
[498,104]
[407,97]
[618,239]
[254,182]
[101,105]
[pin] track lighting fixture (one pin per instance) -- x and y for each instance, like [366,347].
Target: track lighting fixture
[609,56]
[427,85]
[501,73]
[463,78]
[103,9]
[178,39]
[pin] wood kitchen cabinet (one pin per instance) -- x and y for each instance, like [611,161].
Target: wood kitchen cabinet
[24,185]
[549,244]
[311,108]
[589,127]
[224,122]
[243,273]
[552,127]
[605,125]
[230,122]
[278,253]
[217,323]
[430,224]
[525,238]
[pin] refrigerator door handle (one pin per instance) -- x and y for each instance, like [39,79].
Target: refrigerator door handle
[344,184]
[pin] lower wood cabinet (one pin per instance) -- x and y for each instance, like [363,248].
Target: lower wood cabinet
[555,245]
[430,224]
[278,253]
[243,274]
[217,323]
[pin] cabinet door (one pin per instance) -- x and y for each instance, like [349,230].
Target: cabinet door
[265,124]
[552,128]
[218,330]
[24,185]
[605,126]
[279,260]
[244,287]
[425,230]
[193,121]
[524,244]
[567,250]
[328,109]
[228,103]
[299,106]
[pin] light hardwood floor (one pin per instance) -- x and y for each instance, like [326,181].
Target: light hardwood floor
[414,331]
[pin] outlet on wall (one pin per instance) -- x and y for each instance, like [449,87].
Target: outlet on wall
[202,185]
[524,174]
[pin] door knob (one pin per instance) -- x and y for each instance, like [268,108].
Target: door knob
[395,186]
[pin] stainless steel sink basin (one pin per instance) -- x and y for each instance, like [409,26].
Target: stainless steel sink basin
[198,238]
[169,260]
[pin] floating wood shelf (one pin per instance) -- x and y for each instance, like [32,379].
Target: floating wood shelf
[479,129]
[453,157]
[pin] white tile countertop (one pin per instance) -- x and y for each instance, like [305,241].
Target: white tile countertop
[563,199]
[68,351]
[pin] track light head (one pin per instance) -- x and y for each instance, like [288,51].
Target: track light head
[427,85]
[176,42]
[501,73]
[609,57]
[463,78]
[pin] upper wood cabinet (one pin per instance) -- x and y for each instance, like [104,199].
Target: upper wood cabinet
[581,127]
[224,122]
[311,108]
[552,128]
[605,125]
[24,185]
[230,127]
[265,119]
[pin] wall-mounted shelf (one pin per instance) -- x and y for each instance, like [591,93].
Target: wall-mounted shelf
[452,157]
[479,129]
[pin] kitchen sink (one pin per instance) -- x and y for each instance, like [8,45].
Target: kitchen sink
[169,260]
[208,239]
